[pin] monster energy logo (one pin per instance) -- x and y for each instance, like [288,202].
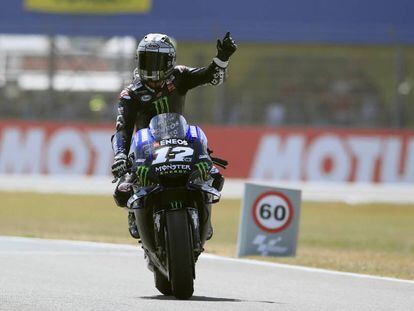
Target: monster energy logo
[176,204]
[203,168]
[142,173]
[161,105]
[171,168]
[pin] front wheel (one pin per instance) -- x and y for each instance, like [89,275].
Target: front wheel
[180,252]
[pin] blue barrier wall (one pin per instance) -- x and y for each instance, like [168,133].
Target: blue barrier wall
[300,21]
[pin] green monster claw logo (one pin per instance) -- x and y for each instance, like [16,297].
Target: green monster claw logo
[142,173]
[161,105]
[203,168]
[176,204]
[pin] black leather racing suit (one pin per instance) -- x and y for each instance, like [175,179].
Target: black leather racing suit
[139,103]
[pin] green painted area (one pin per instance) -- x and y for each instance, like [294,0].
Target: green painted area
[367,238]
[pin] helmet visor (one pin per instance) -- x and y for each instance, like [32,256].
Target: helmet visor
[153,61]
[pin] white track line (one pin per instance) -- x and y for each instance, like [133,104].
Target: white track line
[125,247]
[101,245]
[71,253]
[307,269]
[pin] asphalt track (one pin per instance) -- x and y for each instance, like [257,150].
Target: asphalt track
[46,275]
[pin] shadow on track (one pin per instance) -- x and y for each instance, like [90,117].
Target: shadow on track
[205,298]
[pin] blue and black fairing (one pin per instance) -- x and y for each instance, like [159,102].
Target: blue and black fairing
[170,142]
[172,154]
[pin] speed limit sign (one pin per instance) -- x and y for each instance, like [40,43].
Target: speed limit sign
[269,222]
[272,211]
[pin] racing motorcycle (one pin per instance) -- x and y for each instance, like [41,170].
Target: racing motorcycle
[176,183]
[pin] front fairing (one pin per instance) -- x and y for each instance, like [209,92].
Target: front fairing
[173,165]
[170,162]
[170,156]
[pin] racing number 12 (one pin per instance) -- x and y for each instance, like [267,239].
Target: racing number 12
[172,154]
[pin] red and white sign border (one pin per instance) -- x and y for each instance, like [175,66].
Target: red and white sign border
[289,205]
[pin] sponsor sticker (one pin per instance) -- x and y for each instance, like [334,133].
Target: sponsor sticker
[204,169]
[145,98]
[142,173]
[161,105]
[124,94]
[173,169]
[266,246]
[152,46]
[173,141]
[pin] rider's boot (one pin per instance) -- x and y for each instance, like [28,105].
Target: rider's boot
[218,182]
[123,192]
[209,231]
[132,226]
[218,179]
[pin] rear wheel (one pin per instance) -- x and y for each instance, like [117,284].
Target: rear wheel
[162,283]
[180,249]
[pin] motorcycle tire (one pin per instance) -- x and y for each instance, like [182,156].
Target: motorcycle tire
[162,283]
[180,252]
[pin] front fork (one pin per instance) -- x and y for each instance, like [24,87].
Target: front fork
[160,232]
[196,233]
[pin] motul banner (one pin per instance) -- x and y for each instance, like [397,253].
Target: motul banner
[49,148]
[260,153]
[317,155]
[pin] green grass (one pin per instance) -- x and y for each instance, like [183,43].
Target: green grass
[369,238]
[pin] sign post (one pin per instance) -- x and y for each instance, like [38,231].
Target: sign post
[269,221]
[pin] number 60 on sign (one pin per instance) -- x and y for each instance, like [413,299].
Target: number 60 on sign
[272,212]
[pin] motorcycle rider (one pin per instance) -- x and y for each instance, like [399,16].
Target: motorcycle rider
[158,86]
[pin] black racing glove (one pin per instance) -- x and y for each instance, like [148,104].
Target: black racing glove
[120,166]
[226,48]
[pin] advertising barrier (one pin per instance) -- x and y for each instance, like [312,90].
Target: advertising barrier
[322,155]
[88,6]
[318,21]
[53,148]
[287,154]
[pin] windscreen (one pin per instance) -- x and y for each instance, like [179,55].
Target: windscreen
[168,125]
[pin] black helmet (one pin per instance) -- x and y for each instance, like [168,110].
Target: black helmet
[156,57]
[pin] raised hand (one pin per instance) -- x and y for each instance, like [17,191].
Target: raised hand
[226,47]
